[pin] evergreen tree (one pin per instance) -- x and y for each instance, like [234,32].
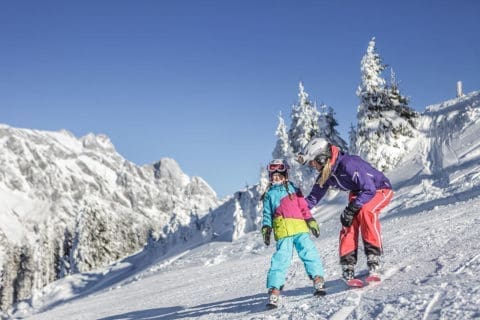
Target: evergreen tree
[400,103]
[327,124]
[304,124]
[352,135]
[372,91]
[386,124]
[97,238]
[394,92]
[307,123]
[282,148]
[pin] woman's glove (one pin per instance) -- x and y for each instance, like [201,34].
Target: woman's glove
[266,234]
[346,218]
[313,226]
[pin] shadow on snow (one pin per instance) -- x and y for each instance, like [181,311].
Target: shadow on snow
[249,304]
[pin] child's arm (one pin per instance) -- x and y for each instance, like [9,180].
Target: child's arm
[267,220]
[267,211]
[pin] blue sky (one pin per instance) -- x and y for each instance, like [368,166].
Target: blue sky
[202,82]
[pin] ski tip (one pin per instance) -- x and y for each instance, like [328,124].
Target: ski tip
[373,278]
[355,283]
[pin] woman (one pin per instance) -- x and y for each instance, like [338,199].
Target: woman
[370,191]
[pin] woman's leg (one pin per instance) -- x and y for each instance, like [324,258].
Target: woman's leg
[370,223]
[348,243]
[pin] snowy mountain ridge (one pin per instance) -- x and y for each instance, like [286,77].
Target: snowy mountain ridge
[70,205]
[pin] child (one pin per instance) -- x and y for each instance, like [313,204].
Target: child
[286,212]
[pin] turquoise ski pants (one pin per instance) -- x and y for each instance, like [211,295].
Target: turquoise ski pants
[282,258]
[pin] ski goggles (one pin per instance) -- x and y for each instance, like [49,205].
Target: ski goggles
[320,159]
[280,167]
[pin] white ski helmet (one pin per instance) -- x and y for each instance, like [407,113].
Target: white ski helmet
[318,149]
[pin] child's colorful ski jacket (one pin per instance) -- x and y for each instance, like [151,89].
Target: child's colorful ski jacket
[285,211]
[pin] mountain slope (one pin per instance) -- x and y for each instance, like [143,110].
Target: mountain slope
[431,259]
[431,277]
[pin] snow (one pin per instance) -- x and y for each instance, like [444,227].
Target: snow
[434,276]
[430,264]
[20,210]
[70,205]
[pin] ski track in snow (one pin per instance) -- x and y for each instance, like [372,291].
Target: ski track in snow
[430,305]
[357,296]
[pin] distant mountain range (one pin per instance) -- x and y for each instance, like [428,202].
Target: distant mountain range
[69,205]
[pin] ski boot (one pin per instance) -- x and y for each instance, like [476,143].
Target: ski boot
[273,298]
[348,274]
[319,286]
[373,263]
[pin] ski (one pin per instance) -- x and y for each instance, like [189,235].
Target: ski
[355,283]
[373,278]
[359,283]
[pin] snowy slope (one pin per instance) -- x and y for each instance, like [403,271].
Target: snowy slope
[431,261]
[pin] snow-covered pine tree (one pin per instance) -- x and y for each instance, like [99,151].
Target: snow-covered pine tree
[400,104]
[282,148]
[304,125]
[307,123]
[97,238]
[64,263]
[263,183]
[386,124]
[372,93]
[17,273]
[372,88]
[327,124]
[24,281]
[352,135]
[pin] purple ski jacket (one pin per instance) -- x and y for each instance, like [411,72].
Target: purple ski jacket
[351,173]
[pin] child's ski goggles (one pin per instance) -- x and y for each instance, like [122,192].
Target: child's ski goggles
[280,167]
